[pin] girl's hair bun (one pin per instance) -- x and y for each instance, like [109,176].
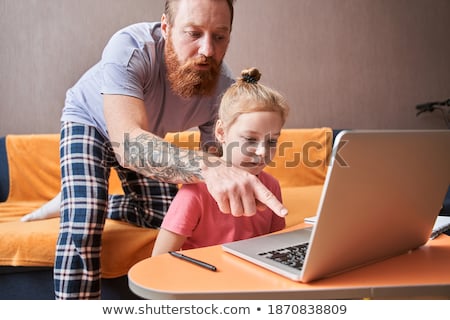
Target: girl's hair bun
[251,75]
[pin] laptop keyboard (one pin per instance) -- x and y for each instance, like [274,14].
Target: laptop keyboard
[293,256]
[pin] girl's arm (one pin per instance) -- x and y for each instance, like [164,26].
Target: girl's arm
[167,241]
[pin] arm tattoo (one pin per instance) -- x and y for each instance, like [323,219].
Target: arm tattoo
[155,158]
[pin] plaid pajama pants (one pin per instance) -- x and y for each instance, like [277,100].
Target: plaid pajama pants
[86,161]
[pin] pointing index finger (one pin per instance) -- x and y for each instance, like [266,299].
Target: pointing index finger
[266,197]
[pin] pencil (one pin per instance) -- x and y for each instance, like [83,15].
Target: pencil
[194,261]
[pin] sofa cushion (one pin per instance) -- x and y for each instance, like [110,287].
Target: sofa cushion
[34,243]
[34,171]
[33,167]
[302,157]
[301,202]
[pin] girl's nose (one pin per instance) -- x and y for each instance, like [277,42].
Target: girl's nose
[260,149]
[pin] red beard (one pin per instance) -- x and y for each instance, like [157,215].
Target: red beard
[185,80]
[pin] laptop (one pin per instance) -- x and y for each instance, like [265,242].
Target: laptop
[382,194]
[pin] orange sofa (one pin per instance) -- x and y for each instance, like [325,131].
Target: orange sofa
[32,177]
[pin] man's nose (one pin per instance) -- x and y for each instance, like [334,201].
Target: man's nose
[207,46]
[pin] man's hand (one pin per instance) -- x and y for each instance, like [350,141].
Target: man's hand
[239,192]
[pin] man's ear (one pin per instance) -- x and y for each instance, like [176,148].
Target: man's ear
[164,26]
[220,131]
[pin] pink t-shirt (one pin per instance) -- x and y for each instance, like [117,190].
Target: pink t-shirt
[195,214]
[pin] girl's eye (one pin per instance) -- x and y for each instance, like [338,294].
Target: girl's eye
[250,140]
[272,143]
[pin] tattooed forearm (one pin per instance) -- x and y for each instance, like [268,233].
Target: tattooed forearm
[153,157]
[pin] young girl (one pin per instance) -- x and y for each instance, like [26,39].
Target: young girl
[251,116]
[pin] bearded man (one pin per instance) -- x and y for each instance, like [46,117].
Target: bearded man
[152,78]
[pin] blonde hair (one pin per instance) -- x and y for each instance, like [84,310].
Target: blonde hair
[247,95]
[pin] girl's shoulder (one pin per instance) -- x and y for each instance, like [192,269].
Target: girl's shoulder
[194,190]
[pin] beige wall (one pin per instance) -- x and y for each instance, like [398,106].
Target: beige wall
[340,63]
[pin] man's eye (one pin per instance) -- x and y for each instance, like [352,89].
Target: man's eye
[219,37]
[194,34]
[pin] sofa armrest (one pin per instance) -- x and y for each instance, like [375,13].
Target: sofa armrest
[4,171]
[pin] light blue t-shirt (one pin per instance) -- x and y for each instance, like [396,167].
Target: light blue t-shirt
[132,64]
